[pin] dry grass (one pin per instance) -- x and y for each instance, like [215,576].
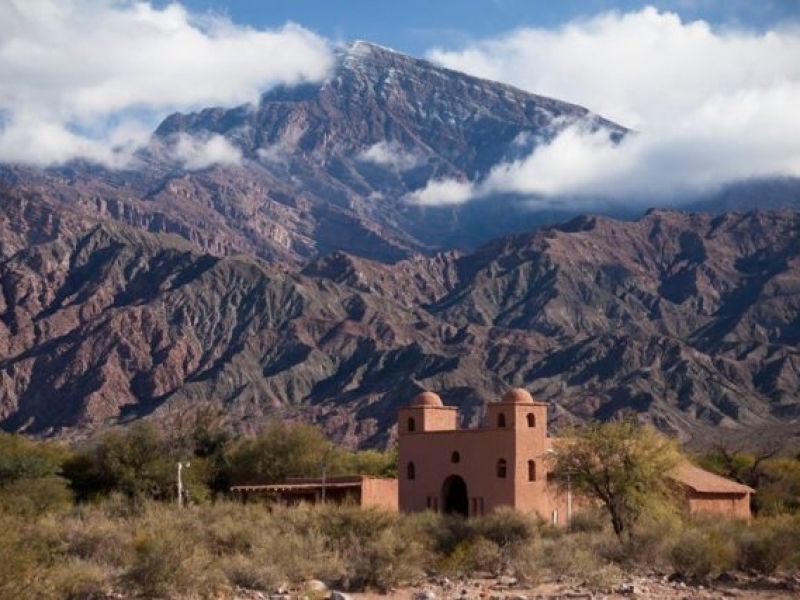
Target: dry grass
[156,550]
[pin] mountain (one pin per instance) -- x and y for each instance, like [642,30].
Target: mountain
[689,320]
[305,282]
[327,167]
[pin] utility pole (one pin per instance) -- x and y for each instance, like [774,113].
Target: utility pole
[324,467]
[181,465]
[324,473]
[569,501]
[554,452]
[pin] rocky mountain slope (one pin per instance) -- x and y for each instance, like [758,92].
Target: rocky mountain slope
[690,320]
[329,166]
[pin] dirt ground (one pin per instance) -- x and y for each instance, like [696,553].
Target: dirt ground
[634,587]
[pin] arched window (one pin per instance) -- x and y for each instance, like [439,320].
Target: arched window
[531,420]
[411,471]
[412,425]
[502,468]
[455,457]
[501,420]
[531,470]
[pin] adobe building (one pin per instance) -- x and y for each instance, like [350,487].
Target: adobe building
[709,493]
[358,490]
[473,471]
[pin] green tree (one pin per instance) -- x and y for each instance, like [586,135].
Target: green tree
[776,479]
[284,450]
[21,458]
[740,465]
[370,462]
[135,462]
[623,465]
[779,490]
[30,476]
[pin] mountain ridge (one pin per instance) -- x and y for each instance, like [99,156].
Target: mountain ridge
[117,324]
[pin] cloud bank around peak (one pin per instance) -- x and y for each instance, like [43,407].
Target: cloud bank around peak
[710,107]
[390,155]
[89,78]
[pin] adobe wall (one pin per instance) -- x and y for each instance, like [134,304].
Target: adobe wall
[431,454]
[382,493]
[730,505]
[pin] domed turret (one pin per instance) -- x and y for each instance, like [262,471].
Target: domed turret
[427,399]
[518,396]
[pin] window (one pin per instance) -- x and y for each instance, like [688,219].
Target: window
[531,470]
[455,457]
[411,471]
[502,468]
[531,420]
[412,426]
[501,420]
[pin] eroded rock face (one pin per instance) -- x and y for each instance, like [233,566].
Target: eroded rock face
[690,320]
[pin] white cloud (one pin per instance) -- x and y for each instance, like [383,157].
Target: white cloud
[391,155]
[272,154]
[443,192]
[72,69]
[710,107]
[195,153]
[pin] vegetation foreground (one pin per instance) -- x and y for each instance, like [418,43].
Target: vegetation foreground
[217,550]
[102,520]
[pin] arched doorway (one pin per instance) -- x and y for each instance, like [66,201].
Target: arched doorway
[455,500]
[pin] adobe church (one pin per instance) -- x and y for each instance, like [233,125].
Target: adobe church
[473,471]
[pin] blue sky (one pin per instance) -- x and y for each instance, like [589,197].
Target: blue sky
[413,26]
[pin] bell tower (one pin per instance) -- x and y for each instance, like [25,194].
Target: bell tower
[426,413]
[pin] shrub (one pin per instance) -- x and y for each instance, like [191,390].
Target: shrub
[31,497]
[168,556]
[246,572]
[473,555]
[79,580]
[571,556]
[373,550]
[18,563]
[21,458]
[767,545]
[234,529]
[651,543]
[590,520]
[95,537]
[447,532]
[382,561]
[700,554]
[506,527]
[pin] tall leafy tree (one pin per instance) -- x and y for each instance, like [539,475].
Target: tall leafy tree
[283,450]
[135,462]
[622,465]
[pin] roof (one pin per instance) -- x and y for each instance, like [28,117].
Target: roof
[427,399]
[704,481]
[312,483]
[297,487]
[518,396]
